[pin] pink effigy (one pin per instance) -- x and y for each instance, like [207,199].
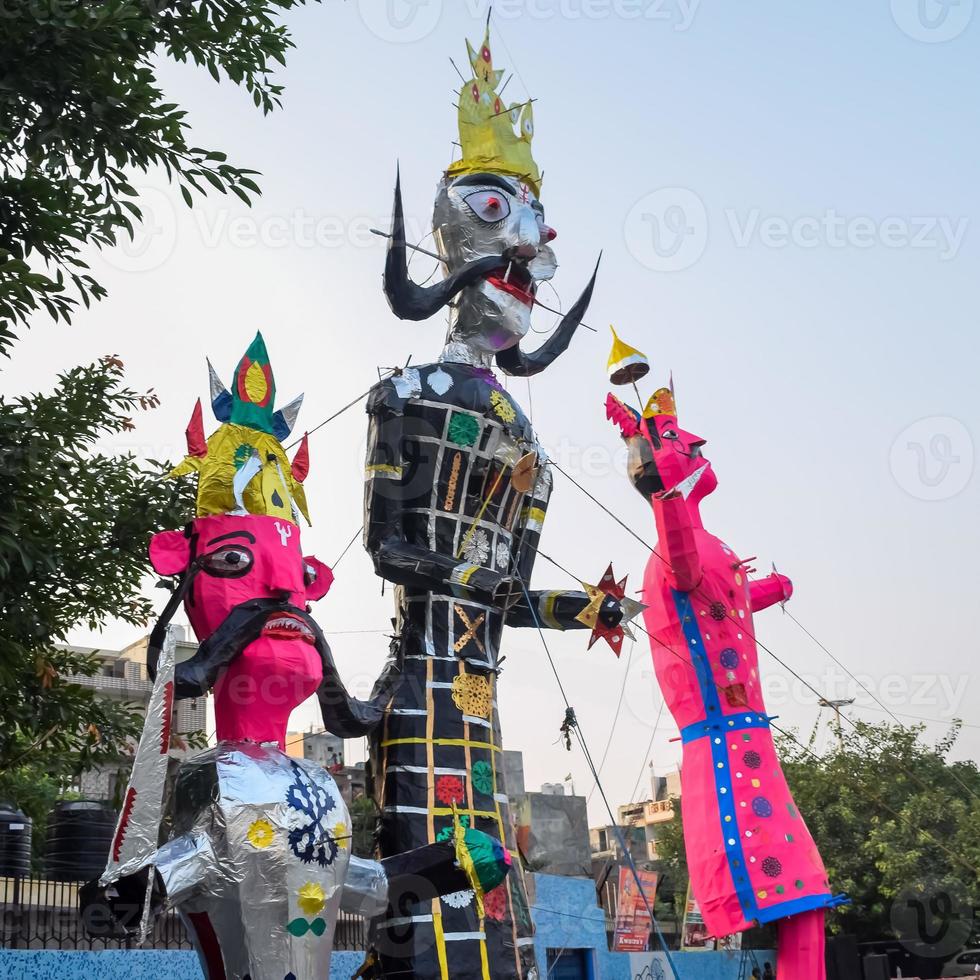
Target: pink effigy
[751,858]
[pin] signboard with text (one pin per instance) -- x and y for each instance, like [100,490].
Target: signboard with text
[633,921]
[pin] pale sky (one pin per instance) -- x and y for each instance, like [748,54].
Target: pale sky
[786,200]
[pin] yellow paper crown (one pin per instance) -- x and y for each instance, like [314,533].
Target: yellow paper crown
[487,133]
[242,466]
[626,364]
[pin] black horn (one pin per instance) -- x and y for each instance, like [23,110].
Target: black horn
[517,363]
[410,301]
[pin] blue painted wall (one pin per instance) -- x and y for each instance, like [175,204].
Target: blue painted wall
[564,910]
[566,917]
[127,964]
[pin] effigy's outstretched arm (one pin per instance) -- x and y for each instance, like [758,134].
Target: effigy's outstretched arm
[556,610]
[676,545]
[394,482]
[766,592]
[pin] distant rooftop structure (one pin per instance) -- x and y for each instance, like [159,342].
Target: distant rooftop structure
[123,676]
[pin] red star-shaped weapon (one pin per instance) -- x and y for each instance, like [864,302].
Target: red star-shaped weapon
[609,613]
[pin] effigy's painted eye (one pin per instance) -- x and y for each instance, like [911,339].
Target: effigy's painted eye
[232,561]
[668,434]
[488,206]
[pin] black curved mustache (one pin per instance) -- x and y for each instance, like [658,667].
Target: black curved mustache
[407,299]
[515,362]
[343,714]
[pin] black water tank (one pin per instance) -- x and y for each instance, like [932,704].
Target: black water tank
[15,842]
[79,836]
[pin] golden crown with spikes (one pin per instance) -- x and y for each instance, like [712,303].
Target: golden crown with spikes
[495,138]
[242,466]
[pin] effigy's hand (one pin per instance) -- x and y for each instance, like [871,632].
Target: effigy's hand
[611,612]
[766,592]
[507,593]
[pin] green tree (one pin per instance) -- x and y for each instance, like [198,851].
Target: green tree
[81,110]
[73,536]
[364,825]
[893,818]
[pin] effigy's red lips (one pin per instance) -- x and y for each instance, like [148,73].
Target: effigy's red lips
[518,283]
[284,626]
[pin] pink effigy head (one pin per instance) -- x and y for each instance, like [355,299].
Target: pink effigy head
[234,559]
[662,455]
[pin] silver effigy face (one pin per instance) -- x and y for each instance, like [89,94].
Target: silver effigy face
[479,215]
[262,849]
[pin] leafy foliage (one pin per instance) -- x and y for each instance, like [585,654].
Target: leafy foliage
[364,825]
[80,107]
[891,816]
[73,536]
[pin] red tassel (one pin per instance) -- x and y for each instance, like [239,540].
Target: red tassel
[197,445]
[301,461]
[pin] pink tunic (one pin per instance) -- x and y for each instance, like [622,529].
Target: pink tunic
[750,855]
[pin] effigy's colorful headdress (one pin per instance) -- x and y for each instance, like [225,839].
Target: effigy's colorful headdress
[242,467]
[627,365]
[495,138]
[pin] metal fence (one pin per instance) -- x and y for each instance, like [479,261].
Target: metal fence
[41,914]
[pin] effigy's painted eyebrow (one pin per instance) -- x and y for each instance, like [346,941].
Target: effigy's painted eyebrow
[233,534]
[482,180]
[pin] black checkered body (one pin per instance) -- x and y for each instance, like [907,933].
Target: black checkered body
[446,522]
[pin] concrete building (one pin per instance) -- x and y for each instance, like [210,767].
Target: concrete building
[643,821]
[552,826]
[328,751]
[320,747]
[123,676]
[638,827]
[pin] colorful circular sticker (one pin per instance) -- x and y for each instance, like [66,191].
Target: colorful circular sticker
[482,777]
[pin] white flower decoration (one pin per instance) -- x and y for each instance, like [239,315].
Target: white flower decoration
[502,554]
[478,547]
[458,900]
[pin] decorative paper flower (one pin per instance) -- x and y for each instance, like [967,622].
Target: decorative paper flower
[311,804]
[495,903]
[761,807]
[473,695]
[463,429]
[502,554]
[341,833]
[447,832]
[458,900]
[482,777]
[449,790]
[752,759]
[260,834]
[478,547]
[502,406]
[772,867]
[311,898]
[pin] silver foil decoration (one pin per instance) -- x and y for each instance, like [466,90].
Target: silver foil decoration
[135,840]
[260,856]
[407,383]
[495,216]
